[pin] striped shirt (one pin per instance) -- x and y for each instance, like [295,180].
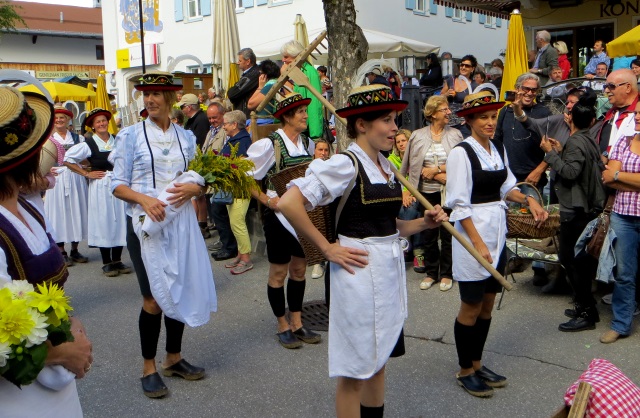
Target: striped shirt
[435,156]
[627,203]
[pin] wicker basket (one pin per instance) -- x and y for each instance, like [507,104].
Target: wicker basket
[322,217]
[522,225]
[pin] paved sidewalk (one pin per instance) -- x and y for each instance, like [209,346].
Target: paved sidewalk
[250,375]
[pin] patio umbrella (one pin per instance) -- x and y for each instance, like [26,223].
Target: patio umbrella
[102,101]
[300,33]
[61,92]
[88,105]
[515,62]
[226,44]
[627,44]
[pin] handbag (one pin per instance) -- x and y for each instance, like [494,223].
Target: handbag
[222,198]
[594,246]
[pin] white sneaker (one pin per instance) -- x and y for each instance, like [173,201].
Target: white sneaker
[317,272]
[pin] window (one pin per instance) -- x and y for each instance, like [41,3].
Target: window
[100,52]
[458,15]
[193,9]
[239,6]
[421,7]
[490,22]
[279,2]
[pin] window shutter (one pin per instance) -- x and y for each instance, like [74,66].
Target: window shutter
[469,16]
[482,19]
[498,22]
[205,7]
[179,15]
[247,3]
[261,2]
[448,11]
[433,7]
[410,4]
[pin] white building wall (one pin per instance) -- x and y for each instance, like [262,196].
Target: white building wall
[48,50]
[264,21]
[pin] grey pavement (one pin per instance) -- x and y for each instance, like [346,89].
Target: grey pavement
[250,375]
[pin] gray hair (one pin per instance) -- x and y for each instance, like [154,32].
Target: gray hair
[544,35]
[292,48]
[211,90]
[236,116]
[247,53]
[527,76]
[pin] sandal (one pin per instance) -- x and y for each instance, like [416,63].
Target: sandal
[242,267]
[233,263]
[426,283]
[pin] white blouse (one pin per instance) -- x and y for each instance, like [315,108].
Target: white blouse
[262,153]
[67,140]
[81,151]
[324,181]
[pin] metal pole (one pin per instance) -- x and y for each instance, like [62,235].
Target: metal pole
[140,14]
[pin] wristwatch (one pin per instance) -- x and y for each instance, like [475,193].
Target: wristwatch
[526,199]
[439,171]
[615,176]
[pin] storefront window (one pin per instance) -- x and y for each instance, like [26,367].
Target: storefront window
[580,42]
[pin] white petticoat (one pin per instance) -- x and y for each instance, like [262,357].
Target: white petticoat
[107,219]
[66,207]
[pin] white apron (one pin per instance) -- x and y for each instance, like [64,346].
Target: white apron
[107,219]
[66,207]
[368,309]
[486,218]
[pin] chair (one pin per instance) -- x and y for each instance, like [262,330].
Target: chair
[522,252]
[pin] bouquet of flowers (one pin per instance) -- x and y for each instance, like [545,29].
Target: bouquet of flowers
[28,318]
[225,173]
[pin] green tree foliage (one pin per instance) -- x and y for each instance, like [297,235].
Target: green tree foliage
[9,17]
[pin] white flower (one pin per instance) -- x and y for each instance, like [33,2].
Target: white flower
[5,350]
[19,288]
[38,333]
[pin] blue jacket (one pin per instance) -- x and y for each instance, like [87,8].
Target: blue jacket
[243,139]
[607,260]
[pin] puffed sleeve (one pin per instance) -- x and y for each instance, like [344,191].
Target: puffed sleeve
[122,157]
[190,149]
[263,157]
[4,268]
[77,153]
[325,181]
[510,182]
[459,184]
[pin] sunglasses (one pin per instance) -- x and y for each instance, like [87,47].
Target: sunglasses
[529,90]
[466,66]
[612,86]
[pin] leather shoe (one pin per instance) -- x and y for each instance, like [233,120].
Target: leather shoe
[287,339]
[610,336]
[575,313]
[153,386]
[76,257]
[491,378]
[474,385]
[110,270]
[308,336]
[184,370]
[577,324]
[222,255]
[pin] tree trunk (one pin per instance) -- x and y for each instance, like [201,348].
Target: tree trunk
[348,49]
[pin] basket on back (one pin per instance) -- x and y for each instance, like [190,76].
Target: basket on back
[322,217]
[522,225]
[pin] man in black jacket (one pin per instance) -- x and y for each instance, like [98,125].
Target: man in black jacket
[197,121]
[240,93]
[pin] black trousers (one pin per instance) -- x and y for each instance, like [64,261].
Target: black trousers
[223,225]
[437,258]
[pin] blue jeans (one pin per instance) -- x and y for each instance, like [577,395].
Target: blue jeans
[627,229]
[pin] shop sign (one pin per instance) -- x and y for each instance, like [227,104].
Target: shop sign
[59,74]
[132,57]
[618,9]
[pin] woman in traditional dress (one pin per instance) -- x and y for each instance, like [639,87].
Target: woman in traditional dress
[425,162]
[171,264]
[368,309]
[284,148]
[478,182]
[107,229]
[66,204]
[28,252]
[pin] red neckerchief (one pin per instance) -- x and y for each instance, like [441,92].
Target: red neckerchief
[623,113]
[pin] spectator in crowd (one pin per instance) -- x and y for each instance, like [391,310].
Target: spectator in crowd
[322,151]
[526,159]
[623,175]
[601,72]
[290,52]
[327,86]
[599,55]
[446,60]
[399,146]
[234,125]
[242,91]
[211,94]
[495,73]
[563,61]
[425,162]
[202,99]
[269,74]
[558,91]
[479,77]
[456,89]
[375,77]
[546,57]
[575,172]
[497,63]
[433,75]
[394,83]
[635,67]
[177,116]
[197,123]
[179,95]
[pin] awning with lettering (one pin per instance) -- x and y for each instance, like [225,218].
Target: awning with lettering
[494,8]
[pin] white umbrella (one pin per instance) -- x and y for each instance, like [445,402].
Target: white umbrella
[380,45]
[226,42]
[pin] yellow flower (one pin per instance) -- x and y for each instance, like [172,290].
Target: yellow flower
[5,298]
[11,139]
[51,297]
[16,323]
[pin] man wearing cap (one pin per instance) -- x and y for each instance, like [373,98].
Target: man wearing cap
[375,77]
[242,91]
[197,121]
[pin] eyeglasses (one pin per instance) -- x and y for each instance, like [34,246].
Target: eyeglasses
[445,110]
[612,86]
[529,90]
[466,66]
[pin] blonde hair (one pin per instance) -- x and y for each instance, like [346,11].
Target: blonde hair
[561,47]
[406,133]
[432,105]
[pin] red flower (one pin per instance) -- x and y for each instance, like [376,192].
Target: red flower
[235,167]
[24,124]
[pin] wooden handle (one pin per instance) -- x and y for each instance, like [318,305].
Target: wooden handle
[457,235]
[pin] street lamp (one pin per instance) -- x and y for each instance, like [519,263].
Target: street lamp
[409,66]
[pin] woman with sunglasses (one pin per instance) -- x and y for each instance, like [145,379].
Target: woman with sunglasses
[456,89]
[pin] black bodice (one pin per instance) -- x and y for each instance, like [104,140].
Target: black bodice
[486,184]
[99,159]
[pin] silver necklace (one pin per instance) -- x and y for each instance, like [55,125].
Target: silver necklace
[165,146]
